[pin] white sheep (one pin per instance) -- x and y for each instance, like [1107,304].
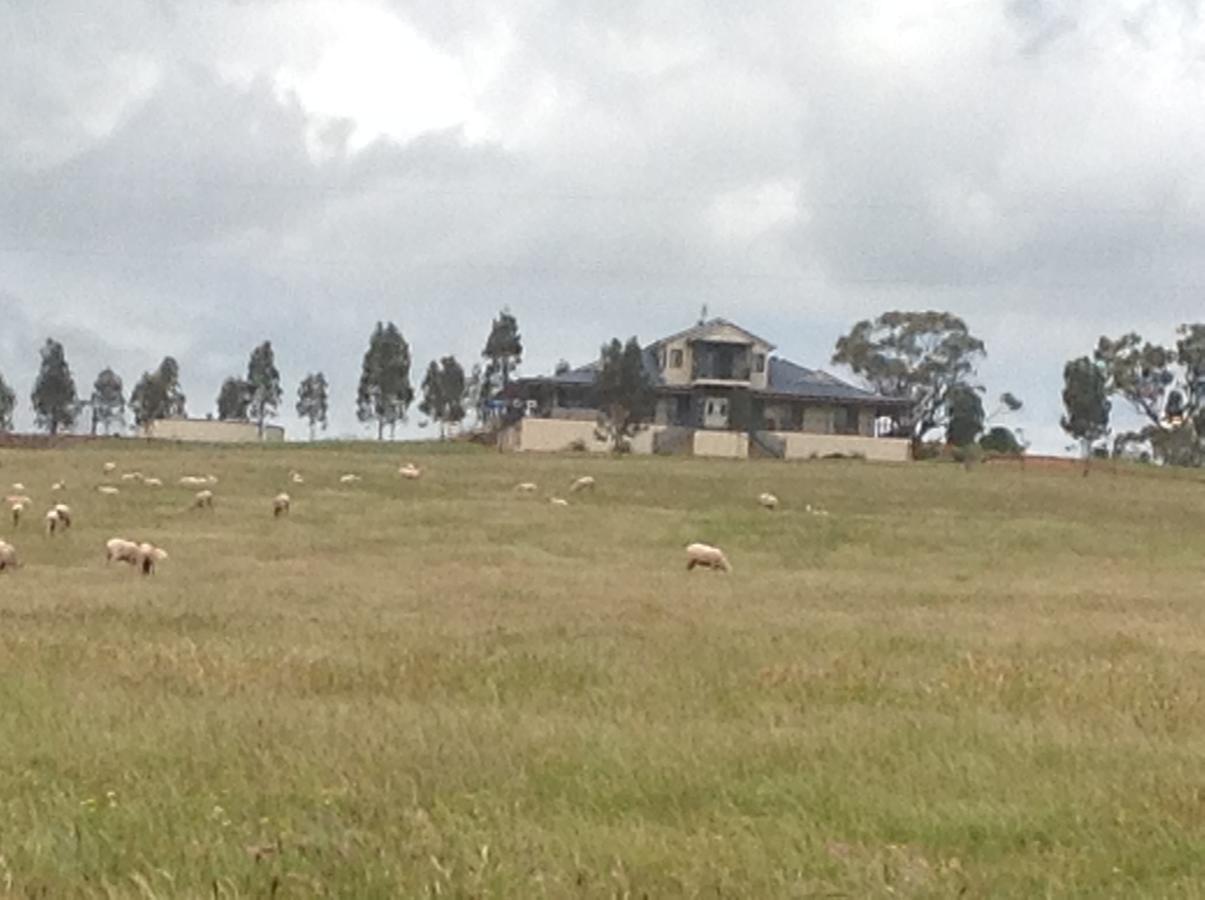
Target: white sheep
[527,487]
[59,486]
[211,479]
[296,478]
[16,510]
[350,479]
[708,557]
[108,490]
[121,550]
[8,557]
[411,471]
[58,519]
[281,505]
[18,486]
[194,481]
[558,501]
[153,482]
[148,555]
[203,500]
[585,483]
[132,476]
[768,501]
[110,468]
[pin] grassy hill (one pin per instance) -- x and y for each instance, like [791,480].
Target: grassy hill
[983,683]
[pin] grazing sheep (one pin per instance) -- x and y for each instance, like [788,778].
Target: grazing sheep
[296,478]
[148,555]
[281,505]
[194,481]
[110,468]
[708,557]
[55,522]
[203,500]
[211,479]
[8,557]
[132,476]
[153,482]
[108,490]
[768,501]
[121,550]
[526,487]
[558,501]
[59,486]
[411,471]
[350,479]
[18,486]
[585,483]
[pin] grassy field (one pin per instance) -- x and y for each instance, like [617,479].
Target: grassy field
[960,683]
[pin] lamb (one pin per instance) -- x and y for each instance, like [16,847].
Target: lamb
[708,557]
[110,468]
[281,505]
[558,501]
[153,482]
[526,487]
[585,483]
[132,476]
[194,481]
[350,479]
[768,501]
[108,490]
[411,471]
[8,557]
[203,500]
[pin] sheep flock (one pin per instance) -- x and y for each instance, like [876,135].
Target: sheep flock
[144,556]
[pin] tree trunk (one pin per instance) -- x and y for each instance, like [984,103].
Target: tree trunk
[380,429]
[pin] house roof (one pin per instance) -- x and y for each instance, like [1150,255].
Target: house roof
[717,322]
[785,378]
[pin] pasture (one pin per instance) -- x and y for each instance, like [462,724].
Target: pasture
[959,683]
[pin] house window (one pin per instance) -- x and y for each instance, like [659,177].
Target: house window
[675,359]
[759,363]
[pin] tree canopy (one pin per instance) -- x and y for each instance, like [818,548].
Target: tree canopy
[234,399]
[54,398]
[313,401]
[263,385]
[624,393]
[384,393]
[108,403]
[443,393]
[157,394]
[8,405]
[921,356]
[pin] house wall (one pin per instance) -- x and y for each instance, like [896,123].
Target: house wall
[557,435]
[866,422]
[727,444]
[680,375]
[207,431]
[718,334]
[800,445]
[818,419]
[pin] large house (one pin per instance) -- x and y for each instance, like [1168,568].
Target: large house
[720,392]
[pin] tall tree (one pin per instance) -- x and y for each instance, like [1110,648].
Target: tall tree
[624,393]
[157,394]
[263,383]
[55,401]
[1086,401]
[443,393]
[108,402]
[313,401]
[233,400]
[8,403]
[504,346]
[1165,386]
[966,416]
[385,393]
[921,356]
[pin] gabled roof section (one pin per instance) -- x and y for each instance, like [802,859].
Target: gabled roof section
[585,375]
[789,379]
[701,330]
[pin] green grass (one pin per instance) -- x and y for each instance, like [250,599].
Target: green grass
[984,683]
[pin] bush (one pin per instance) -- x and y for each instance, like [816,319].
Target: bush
[577,446]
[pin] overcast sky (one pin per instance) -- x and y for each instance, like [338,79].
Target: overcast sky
[192,178]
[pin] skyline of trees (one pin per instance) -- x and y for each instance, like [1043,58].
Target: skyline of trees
[927,356]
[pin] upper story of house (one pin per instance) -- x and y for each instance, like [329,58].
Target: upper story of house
[715,353]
